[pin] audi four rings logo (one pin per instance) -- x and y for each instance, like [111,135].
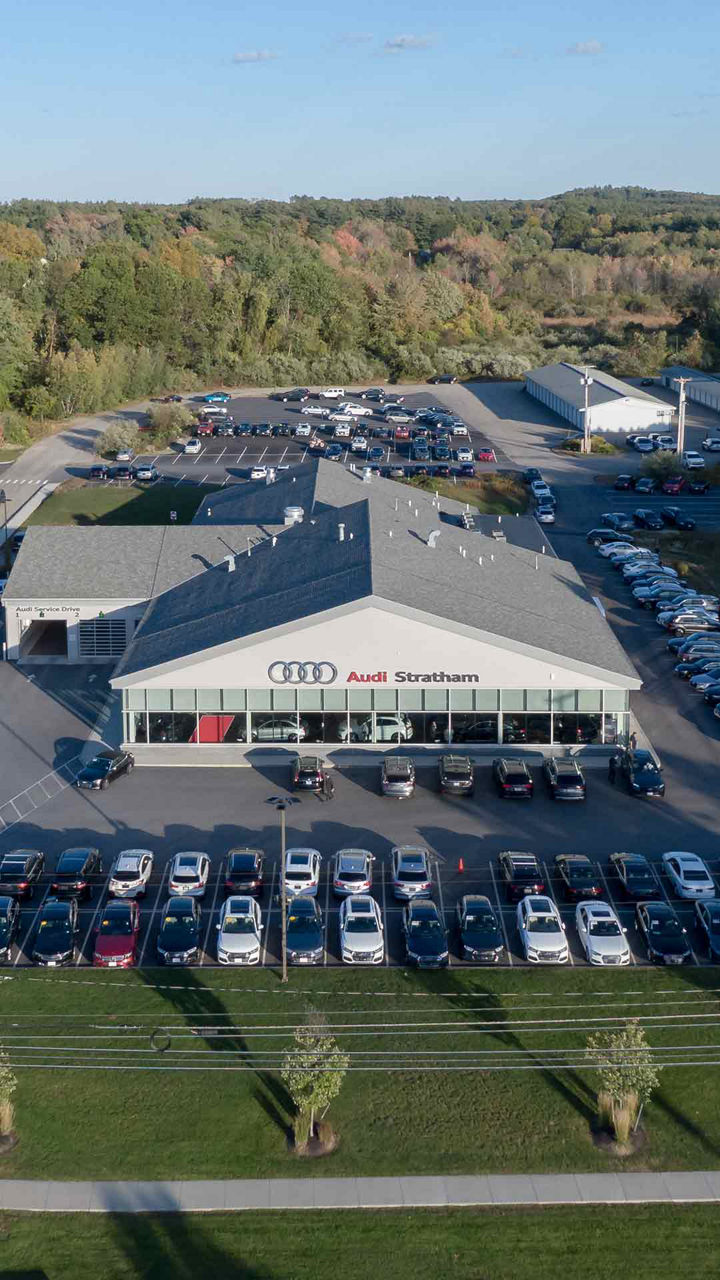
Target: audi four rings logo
[302,672]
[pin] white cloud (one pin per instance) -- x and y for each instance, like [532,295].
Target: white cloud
[254,55]
[355,37]
[404,44]
[586,49]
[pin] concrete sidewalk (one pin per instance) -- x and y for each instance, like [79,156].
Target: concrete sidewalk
[529,1191]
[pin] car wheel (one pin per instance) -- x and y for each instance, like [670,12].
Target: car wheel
[596,542]
[130,767]
[104,784]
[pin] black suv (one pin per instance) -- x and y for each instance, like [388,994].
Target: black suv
[512,778]
[635,875]
[664,935]
[9,921]
[639,771]
[675,517]
[648,519]
[579,877]
[601,537]
[54,942]
[20,871]
[74,872]
[520,874]
[457,776]
[565,779]
[426,940]
[244,871]
[481,937]
[308,773]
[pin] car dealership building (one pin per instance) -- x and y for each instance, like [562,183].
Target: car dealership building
[328,607]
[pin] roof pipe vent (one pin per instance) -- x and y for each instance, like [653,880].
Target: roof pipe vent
[293,515]
[433,537]
[341,533]
[230,562]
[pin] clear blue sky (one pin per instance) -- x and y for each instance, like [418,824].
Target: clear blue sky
[161,100]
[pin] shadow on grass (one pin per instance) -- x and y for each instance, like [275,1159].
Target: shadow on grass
[176,1247]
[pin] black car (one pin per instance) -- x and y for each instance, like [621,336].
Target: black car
[297,393]
[707,918]
[179,937]
[123,472]
[674,516]
[512,779]
[443,377]
[20,871]
[226,428]
[623,482]
[481,937]
[283,429]
[580,879]
[520,874]
[308,773]
[665,937]
[74,873]
[9,922]
[54,942]
[244,871]
[99,772]
[619,520]
[565,779]
[601,537]
[476,731]
[305,935]
[639,771]
[426,940]
[457,776]
[243,429]
[645,484]
[99,472]
[262,429]
[531,474]
[635,875]
[373,393]
[441,471]
[648,519]
[698,486]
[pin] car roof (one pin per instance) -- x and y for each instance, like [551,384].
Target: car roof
[424,907]
[239,906]
[412,855]
[73,857]
[573,857]
[129,861]
[520,859]
[360,905]
[117,907]
[17,859]
[308,762]
[602,910]
[299,855]
[477,900]
[452,760]
[352,859]
[567,766]
[306,904]
[245,853]
[188,859]
[56,909]
[633,857]
[400,765]
[690,859]
[541,905]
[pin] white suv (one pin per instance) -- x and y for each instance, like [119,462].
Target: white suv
[711,443]
[302,872]
[332,393]
[693,461]
[542,931]
[361,931]
[130,874]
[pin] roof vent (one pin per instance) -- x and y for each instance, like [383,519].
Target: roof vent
[433,537]
[293,515]
[498,535]
[367,475]
[341,533]
[230,562]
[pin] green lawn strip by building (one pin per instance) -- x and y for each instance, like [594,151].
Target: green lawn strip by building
[204,1124]
[453,1244]
[491,493]
[114,504]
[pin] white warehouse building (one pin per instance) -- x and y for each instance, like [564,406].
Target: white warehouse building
[703,388]
[614,405]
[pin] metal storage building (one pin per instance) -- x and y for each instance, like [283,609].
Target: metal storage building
[614,405]
[703,389]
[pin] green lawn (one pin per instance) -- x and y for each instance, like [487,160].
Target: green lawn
[457,1244]
[492,492]
[113,504]
[211,1123]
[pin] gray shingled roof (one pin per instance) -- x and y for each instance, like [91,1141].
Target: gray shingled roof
[683,371]
[534,604]
[565,381]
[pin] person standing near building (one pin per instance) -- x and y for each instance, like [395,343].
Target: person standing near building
[328,787]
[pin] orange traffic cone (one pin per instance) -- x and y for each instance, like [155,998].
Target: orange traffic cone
[461,865]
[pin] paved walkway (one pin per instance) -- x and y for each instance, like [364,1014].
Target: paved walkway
[361,1193]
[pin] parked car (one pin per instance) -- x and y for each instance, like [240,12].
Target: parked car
[130,875]
[9,925]
[116,936]
[639,770]
[623,482]
[239,931]
[104,768]
[602,937]
[298,393]
[635,875]
[512,778]
[244,871]
[20,872]
[648,519]
[426,940]
[361,930]
[411,872]
[665,937]
[580,879]
[707,918]
[352,871]
[676,518]
[397,777]
[145,472]
[279,729]
[565,778]
[711,444]
[302,871]
[308,773]
[520,874]
[645,484]
[689,875]
[619,520]
[689,622]
[178,941]
[75,872]
[481,936]
[305,934]
[99,472]
[456,775]
[542,932]
[57,926]
[607,538]
[188,875]
[193,446]
[692,460]
[673,484]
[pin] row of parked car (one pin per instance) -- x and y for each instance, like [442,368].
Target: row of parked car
[680,609]
[656,441]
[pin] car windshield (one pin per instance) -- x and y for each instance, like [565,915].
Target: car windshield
[175,921]
[543,924]
[126,876]
[428,928]
[352,875]
[52,928]
[667,928]
[698,877]
[239,924]
[117,926]
[714,920]
[580,876]
[101,764]
[299,875]
[480,920]
[604,928]
[185,877]
[639,873]
[516,775]
[412,874]
[361,924]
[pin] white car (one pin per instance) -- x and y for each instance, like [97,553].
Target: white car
[131,872]
[125,455]
[258,472]
[542,932]
[361,931]
[608,549]
[356,410]
[389,727]
[239,932]
[332,393]
[189,875]
[465,454]
[302,872]
[359,444]
[601,934]
[711,443]
[397,415]
[303,429]
[193,446]
[540,489]
[315,411]
[341,415]
[644,444]
[693,461]
[352,871]
[690,877]
[459,429]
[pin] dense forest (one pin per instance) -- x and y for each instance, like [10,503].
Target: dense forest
[100,303]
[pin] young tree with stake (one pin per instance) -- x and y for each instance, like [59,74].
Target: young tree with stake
[313,1073]
[628,1075]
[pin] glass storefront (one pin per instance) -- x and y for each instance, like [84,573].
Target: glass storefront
[514,717]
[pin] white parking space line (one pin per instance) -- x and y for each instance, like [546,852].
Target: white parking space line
[211,920]
[442,909]
[153,913]
[385,923]
[198,456]
[99,907]
[327,920]
[262,455]
[21,945]
[177,458]
[242,453]
[282,455]
[204,478]
[501,913]
[551,894]
[266,921]
[222,451]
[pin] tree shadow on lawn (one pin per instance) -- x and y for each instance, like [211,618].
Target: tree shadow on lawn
[175,1246]
[205,1016]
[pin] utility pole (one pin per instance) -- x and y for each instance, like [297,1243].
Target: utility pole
[681,416]
[281,803]
[6,549]
[587,383]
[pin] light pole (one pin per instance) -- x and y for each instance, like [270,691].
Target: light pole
[3,499]
[681,416]
[587,383]
[281,803]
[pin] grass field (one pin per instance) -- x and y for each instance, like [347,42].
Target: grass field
[212,1122]
[695,555]
[456,1244]
[492,493]
[74,503]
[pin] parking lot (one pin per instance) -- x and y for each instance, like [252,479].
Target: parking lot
[473,830]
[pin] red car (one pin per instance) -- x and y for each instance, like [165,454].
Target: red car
[116,936]
[485,455]
[402,433]
[204,429]
[673,484]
